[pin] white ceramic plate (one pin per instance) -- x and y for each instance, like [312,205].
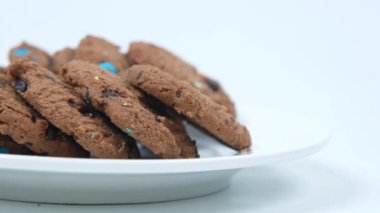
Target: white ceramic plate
[277,136]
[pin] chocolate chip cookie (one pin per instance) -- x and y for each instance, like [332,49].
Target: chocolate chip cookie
[25,126]
[25,50]
[99,51]
[61,57]
[144,53]
[59,103]
[170,119]
[107,93]
[9,146]
[191,103]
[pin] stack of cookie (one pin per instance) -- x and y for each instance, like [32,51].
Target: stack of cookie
[96,101]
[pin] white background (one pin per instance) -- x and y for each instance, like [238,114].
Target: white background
[318,58]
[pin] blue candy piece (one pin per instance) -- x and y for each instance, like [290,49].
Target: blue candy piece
[108,66]
[22,52]
[129,131]
[4,150]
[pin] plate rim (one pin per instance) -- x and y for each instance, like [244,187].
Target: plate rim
[160,166]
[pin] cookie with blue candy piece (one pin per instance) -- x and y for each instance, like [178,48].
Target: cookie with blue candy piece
[168,117]
[27,127]
[172,121]
[47,93]
[101,52]
[33,53]
[107,93]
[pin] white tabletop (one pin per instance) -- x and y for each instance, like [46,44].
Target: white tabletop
[316,58]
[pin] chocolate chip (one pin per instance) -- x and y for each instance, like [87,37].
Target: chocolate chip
[64,71]
[120,145]
[109,93]
[20,85]
[213,84]
[51,132]
[138,75]
[72,103]
[178,93]
[69,138]
[86,111]
[33,118]
[87,98]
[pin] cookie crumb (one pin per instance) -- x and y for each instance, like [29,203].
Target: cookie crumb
[92,136]
[198,84]
[245,151]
